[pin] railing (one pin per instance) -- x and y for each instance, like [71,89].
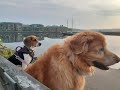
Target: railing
[12,78]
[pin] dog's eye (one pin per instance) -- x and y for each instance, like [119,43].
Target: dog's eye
[101,50]
[34,40]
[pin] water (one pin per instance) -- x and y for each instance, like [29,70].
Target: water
[113,44]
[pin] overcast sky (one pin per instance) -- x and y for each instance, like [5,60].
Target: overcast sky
[86,13]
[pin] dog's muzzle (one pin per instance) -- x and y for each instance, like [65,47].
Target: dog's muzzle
[38,44]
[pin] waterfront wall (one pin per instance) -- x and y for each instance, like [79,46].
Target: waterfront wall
[13,78]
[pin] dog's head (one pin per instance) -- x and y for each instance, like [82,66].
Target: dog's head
[31,41]
[89,49]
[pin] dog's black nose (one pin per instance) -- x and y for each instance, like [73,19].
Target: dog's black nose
[39,44]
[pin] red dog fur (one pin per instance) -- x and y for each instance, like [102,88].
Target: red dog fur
[63,66]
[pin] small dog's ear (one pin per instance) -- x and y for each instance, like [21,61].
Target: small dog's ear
[31,38]
[80,44]
[27,41]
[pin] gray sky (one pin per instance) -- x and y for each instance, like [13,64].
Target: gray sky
[86,13]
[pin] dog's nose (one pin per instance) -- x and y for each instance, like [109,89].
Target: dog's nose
[39,44]
[116,58]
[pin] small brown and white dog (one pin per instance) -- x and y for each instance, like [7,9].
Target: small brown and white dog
[64,65]
[25,53]
[31,41]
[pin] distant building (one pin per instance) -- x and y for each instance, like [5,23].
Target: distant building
[10,26]
[26,28]
[39,30]
[56,28]
[37,27]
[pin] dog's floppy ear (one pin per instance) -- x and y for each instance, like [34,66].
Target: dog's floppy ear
[27,41]
[79,44]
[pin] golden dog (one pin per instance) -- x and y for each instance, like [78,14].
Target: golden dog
[63,66]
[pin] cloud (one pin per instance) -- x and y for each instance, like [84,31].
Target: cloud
[76,4]
[106,7]
[86,13]
[100,7]
[7,3]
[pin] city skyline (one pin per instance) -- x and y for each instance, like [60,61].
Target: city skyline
[80,14]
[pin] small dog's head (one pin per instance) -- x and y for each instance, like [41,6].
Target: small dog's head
[89,49]
[31,41]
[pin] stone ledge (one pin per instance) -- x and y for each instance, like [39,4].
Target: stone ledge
[20,79]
